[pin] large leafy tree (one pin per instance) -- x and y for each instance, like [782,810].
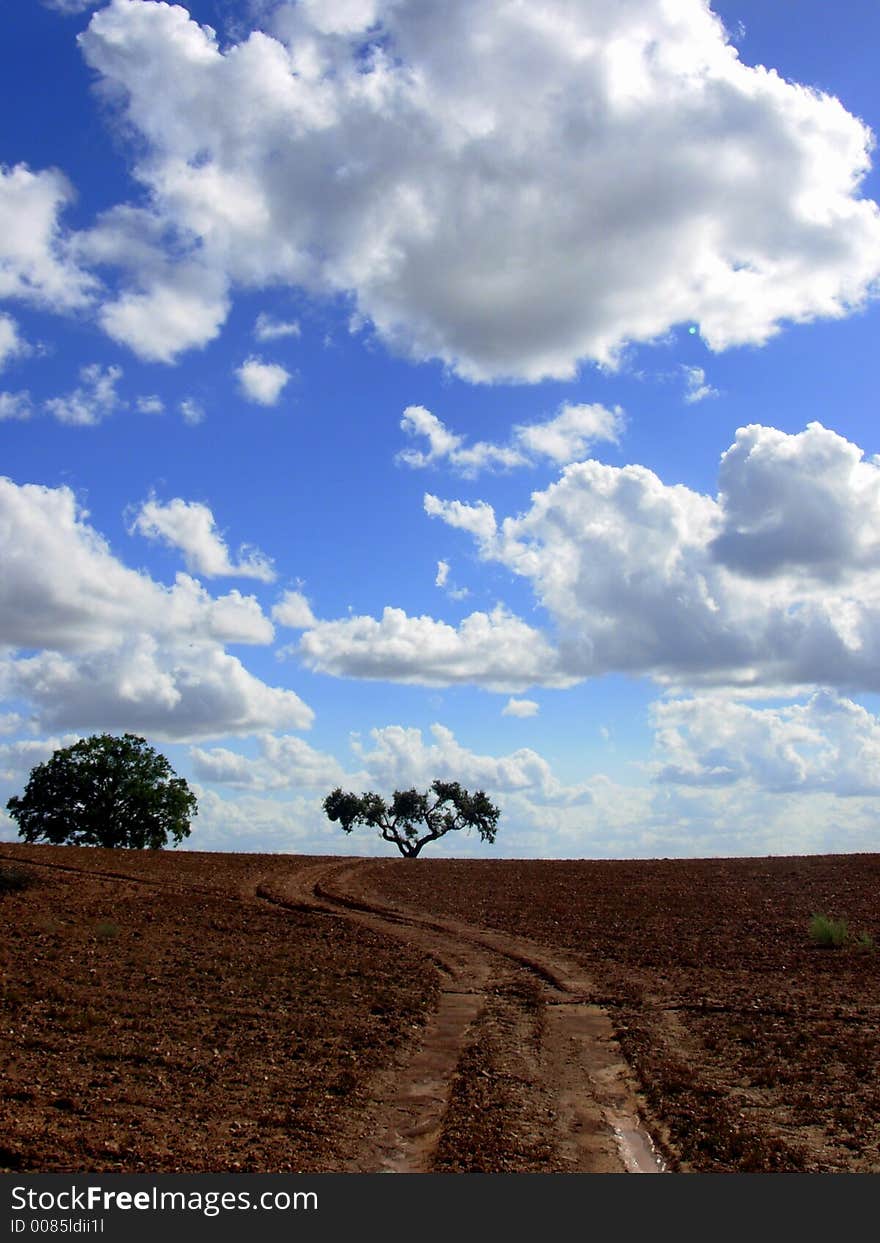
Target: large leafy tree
[412,819]
[105,791]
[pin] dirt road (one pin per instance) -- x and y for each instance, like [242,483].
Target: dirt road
[515,1067]
[577,1095]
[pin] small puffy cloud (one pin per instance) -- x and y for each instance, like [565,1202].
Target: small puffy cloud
[12,344]
[510,222]
[293,610]
[191,411]
[496,650]
[478,519]
[114,649]
[261,382]
[150,404]
[16,405]
[571,433]
[441,580]
[696,388]
[70,7]
[827,744]
[520,708]
[180,313]
[93,400]
[267,328]
[36,263]
[190,526]
[444,446]
[567,436]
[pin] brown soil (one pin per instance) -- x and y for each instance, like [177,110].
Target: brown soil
[199,1012]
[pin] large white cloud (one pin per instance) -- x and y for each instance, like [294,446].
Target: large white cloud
[510,188]
[776,581]
[90,643]
[496,650]
[173,690]
[828,744]
[190,526]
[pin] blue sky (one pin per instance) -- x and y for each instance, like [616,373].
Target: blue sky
[393,390]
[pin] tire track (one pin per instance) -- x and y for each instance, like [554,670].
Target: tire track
[595,1116]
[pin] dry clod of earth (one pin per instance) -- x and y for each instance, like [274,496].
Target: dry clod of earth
[182,1012]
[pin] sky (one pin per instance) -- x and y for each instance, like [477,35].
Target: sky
[476,390]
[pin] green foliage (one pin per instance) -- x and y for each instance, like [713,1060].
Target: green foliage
[866,943]
[105,791]
[445,808]
[829,933]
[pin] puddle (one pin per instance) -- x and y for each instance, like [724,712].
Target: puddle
[638,1153]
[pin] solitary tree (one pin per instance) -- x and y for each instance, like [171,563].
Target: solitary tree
[105,791]
[443,809]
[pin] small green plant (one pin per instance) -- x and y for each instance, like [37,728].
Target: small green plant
[13,879]
[866,943]
[829,933]
[106,931]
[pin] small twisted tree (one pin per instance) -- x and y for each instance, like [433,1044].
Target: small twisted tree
[412,818]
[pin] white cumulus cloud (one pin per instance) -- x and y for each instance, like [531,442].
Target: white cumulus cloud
[774,582]
[497,650]
[510,188]
[262,382]
[190,526]
[827,744]
[267,328]
[696,386]
[36,263]
[12,343]
[93,400]
[565,437]
[293,610]
[92,644]
[400,758]
[16,405]
[285,762]
[520,708]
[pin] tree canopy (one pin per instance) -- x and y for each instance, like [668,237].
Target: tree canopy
[413,819]
[105,791]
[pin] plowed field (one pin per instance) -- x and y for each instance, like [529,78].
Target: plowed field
[201,1012]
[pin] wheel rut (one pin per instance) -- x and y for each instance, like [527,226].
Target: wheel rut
[553,1037]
